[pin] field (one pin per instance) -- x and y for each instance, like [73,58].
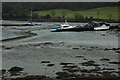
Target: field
[102,13]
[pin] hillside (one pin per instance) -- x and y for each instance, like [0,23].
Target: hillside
[102,13]
[61,10]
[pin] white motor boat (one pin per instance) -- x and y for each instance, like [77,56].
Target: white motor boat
[64,26]
[102,27]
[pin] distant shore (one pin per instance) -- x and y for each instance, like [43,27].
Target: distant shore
[69,20]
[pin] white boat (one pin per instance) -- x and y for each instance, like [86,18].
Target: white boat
[30,23]
[102,26]
[64,26]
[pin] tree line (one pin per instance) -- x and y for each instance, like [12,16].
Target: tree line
[21,10]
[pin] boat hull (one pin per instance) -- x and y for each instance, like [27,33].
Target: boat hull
[74,29]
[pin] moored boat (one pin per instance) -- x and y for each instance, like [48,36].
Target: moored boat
[102,26]
[63,27]
[92,26]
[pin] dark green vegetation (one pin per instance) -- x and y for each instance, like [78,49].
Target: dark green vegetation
[58,11]
[101,13]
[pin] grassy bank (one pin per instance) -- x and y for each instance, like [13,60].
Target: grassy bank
[101,13]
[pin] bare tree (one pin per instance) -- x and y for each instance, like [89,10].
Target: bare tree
[63,14]
[98,14]
[53,13]
[35,16]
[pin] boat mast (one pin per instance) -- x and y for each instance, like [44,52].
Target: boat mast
[66,22]
[31,15]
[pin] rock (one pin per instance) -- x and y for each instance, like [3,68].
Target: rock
[45,61]
[15,69]
[70,66]
[90,63]
[105,59]
[61,43]
[85,70]
[80,56]
[106,74]
[115,49]
[8,47]
[93,47]
[75,48]
[65,63]
[34,77]
[50,65]
[108,69]
[89,49]
[69,69]
[91,70]
[84,59]
[97,68]
[102,34]
[48,43]
[96,65]
[3,71]
[83,48]
[114,62]
[63,75]
[107,49]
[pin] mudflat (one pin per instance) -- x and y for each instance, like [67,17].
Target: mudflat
[60,54]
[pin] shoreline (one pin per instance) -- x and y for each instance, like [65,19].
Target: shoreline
[53,54]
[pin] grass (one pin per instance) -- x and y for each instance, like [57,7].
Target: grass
[103,13]
[58,12]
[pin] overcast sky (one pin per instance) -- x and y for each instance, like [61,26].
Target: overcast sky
[60,0]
